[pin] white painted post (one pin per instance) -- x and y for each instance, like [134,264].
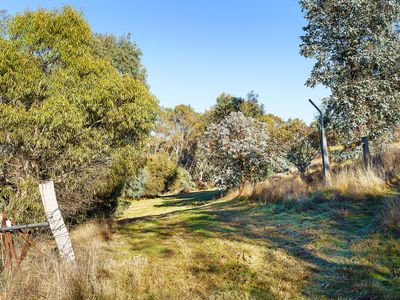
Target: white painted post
[56,221]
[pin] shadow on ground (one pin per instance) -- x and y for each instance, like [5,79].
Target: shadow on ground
[323,234]
[191,199]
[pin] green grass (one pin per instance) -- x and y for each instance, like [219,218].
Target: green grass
[312,250]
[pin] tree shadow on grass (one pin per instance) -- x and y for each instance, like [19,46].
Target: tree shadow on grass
[191,199]
[335,273]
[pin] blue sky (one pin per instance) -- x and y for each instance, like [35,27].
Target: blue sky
[195,50]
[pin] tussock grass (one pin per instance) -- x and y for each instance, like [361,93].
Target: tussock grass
[278,189]
[359,183]
[351,181]
[43,276]
[390,217]
[213,269]
[389,160]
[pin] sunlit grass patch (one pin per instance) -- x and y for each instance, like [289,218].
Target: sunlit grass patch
[230,249]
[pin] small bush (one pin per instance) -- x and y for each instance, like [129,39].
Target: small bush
[134,187]
[161,171]
[23,204]
[182,181]
[391,215]
[301,155]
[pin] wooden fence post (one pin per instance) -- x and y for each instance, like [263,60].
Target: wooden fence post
[56,221]
[366,152]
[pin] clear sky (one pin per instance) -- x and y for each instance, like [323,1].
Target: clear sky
[194,50]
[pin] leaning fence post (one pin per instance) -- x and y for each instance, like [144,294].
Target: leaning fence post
[56,221]
[366,152]
[324,148]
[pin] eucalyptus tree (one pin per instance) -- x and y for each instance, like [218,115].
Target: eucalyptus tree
[356,45]
[227,104]
[64,112]
[236,151]
[123,54]
[177,132]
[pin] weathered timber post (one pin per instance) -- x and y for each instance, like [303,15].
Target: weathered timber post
[56,221]
[366,152]
[324,148]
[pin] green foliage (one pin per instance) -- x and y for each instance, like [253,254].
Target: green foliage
[64,113]
[226,104]
[299,144]
[236,151]
[178,131]
[357,48]
[127,164]
[123,54]
[134,187]
[23,205]
[161,171]
[182,181]
[301,154]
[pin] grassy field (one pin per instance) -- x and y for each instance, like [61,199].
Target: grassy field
[235,249]
[200,246]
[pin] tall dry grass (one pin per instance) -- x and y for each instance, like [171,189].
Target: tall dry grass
[206,270]
[352,180]
[280,188]
[43,276]
[99,274]
[390,216]
[359,182]
[389,162]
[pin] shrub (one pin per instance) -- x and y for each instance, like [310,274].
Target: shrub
[301,154]
[126,167]
[134,187]
[236,151]
[161,170]
[25,205]
[182,181]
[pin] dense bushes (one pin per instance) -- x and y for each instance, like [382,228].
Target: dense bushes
[65,115]
[165,175]
[161,170]
[182,181]
[236,151]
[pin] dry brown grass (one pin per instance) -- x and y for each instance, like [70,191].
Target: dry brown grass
[43,276]
[350,181]
[355,183]
[359,183]
[389,161]
[281,188]
[390,217]
[190,270]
